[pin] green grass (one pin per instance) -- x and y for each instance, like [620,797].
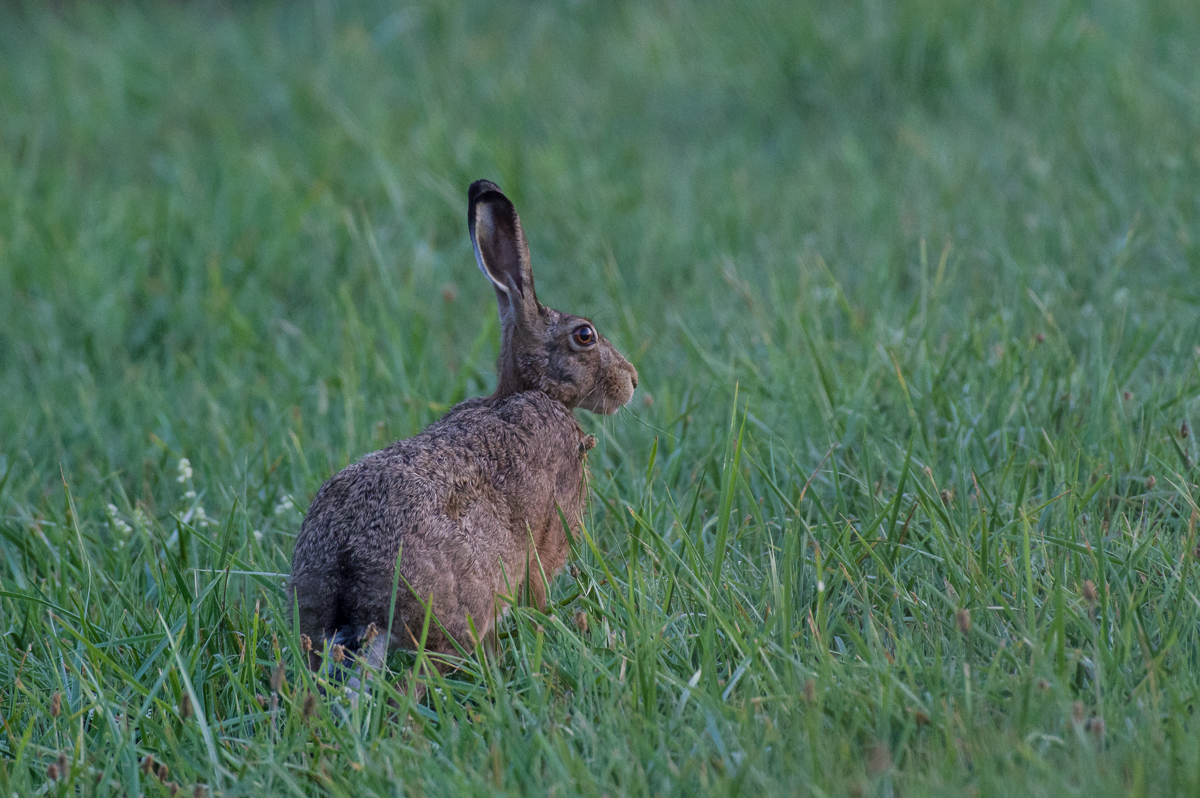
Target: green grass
[913,289]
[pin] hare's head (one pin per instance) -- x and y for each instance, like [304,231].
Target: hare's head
[541,349]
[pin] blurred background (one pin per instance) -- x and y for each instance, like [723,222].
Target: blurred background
[220,223]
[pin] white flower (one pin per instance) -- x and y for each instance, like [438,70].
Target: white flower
[285,505]
[258,535]
[185,470]
[191,494]
[117,522]
[202,518]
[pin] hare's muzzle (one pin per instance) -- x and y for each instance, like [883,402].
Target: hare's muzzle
[623,379]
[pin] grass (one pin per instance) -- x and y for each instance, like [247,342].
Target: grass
[906,503]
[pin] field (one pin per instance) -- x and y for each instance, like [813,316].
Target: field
[906,501]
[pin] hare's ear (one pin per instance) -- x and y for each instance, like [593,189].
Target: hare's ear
[500,248]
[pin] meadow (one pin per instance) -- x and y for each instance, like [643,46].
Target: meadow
[905,503]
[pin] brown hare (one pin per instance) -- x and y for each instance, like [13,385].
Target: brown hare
[471,505]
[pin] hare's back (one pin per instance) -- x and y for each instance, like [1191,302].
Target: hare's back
[503,463]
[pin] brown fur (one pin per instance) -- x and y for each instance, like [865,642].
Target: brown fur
[471,505]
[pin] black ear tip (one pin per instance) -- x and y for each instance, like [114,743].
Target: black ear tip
[481,187]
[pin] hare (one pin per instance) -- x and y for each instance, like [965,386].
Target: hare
[471,506]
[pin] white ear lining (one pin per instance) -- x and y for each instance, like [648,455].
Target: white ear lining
[486,223]
[479,260]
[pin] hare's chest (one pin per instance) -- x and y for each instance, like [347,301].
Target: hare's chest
[572,480]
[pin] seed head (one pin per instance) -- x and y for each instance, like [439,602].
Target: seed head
[1096,727]
[200,791]
[310,705]
[148,764]
[1089,593]
[305,644]
[185,707]
[1077,711]
[1126,395]
[172,788]
[810,691]
[338,653]
[962,619]
[56,705]
[52,771]
[581,621]
[277,678]
[1184,430]
[372,632]
[1151,482]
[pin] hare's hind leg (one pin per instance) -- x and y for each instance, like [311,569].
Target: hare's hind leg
[372,659]
[376,651]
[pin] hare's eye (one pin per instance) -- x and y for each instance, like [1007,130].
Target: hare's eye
[584,335]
